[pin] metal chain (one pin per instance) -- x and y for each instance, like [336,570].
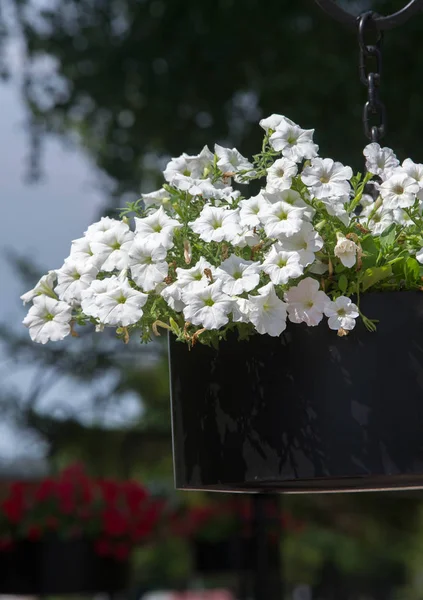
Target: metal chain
[374,113]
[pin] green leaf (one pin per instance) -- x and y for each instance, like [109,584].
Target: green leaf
[339,268]
[387,237]
[411,271]
[343,283]
[374,275]
[175,327]
[370,251]
[398,266]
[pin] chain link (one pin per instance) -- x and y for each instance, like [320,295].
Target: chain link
[374,114]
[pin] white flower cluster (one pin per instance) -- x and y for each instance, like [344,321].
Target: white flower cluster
[399,187]
[203,257]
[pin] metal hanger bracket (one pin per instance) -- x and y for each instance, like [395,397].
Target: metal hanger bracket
[383,23]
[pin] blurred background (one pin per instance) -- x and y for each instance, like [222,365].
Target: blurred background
[96,96]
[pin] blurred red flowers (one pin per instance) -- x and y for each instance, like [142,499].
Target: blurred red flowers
[115,515]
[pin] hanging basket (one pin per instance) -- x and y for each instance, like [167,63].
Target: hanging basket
[307,411]
[59,567]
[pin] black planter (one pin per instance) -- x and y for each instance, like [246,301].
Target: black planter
[308,411]
[232,554]
[59,567]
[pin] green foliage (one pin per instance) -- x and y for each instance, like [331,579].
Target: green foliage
[372,276]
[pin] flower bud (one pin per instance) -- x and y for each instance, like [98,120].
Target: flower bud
[320,225]
[346,250]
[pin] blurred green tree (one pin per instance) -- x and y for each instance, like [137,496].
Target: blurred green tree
[134,81]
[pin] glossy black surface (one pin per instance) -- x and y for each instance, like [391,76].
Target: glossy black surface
[308,411]
[59,567]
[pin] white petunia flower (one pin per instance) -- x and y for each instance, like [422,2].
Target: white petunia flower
[157,227]
[379,221]
[48,320]
[176,166]
[240,310]
[274,121]
[158,198]
[335,205]
[147,263]
[120,305]
[366,200]
[73,278]
[318,267]
[232,161]
[185,183]
[290,197]
[419,256]
[216,224]
[208,307]
[81,251]
[282,219]
[346,251]
[101,226]
[195,278]
[342,314]
[246,237]
[192,166]
[294,142]
[379,161]
[281,266]
[402,218]
[97,287]
[306,303]
[267,312]
[327,178]
[44,286]
[399,191]
[238,275]
[280,174]
[306,242]
[250,209]
[413,170]
[110,249]
[199,164]
[205,188]
[173,296]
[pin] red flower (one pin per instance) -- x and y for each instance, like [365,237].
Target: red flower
[109,490]
[65,494]
[87,492]
[18,489]
[13,508]
[45,490]
[74,471]
[114,522]
[135,495]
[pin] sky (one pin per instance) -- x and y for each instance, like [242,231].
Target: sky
[40,220]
